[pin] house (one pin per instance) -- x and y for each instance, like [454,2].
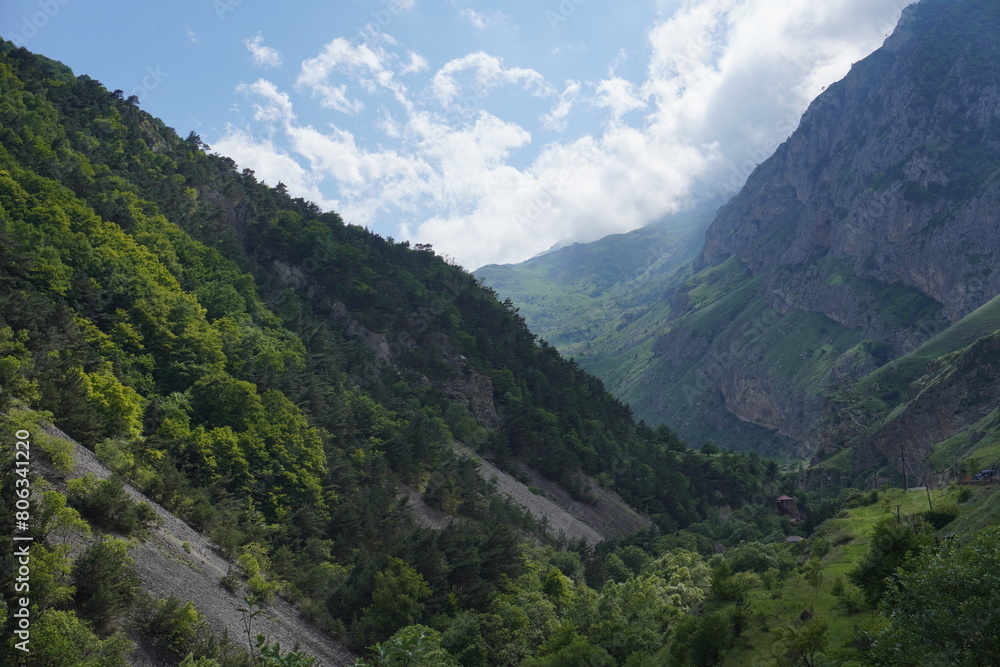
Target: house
[786,506]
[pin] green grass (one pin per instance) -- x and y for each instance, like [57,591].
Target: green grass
[977,446]
[982,510]
[576,297]
[850,534]
[901,372]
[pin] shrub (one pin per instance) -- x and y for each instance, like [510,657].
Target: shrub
[107,504]
[941,516]
[261,587]
[820,547]
[61,638]
[174,625]
[231,580]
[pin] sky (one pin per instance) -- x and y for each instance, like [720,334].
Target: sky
[490,130]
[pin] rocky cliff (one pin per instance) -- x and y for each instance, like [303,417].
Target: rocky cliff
[873,227]
[893,170]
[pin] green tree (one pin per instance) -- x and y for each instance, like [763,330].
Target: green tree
[567,648]
[60,639]
[891,544]
[175,625]
[413,646]
[942,607]
[108,505]
[106,584]
[396,598]
[804,641]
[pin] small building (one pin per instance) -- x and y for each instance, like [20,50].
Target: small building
[786,506]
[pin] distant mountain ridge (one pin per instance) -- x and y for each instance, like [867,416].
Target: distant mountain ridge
[575,293]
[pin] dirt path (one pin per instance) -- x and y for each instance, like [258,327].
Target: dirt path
[179,561]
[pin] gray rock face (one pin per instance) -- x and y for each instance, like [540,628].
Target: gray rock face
[955,394]
[881,212]
[891,172]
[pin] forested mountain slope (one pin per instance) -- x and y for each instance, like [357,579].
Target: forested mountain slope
[278,378]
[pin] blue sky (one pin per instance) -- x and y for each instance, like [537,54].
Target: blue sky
[490,130]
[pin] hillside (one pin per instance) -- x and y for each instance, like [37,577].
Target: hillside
[576,295]
[292,387]
[178,561]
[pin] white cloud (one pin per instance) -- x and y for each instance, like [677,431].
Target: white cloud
[362,64]
[263,56]
[192,35]
[477,20]
[725,82]
[555,119]
[488,73]
[276,106]
[619,95]
[416,65]
[271,165]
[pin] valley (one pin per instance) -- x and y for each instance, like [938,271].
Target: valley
[762,431]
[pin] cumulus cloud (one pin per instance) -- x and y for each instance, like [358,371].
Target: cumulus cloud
[271,104]
[364,66]
[555,119]
[724,82]
[263,56]
[618,95]
[488,73]
[416,65]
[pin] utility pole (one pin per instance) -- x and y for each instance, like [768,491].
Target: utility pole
[902,461]
[927,486]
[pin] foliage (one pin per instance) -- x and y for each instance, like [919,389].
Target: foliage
[566,648]
[60,639]
[396,598]
[701,641]
[891,544]
[106,584]
[211,339]
[412,646]
[803,641]
[943,606]
[175,625]
[107,504]
[271,655]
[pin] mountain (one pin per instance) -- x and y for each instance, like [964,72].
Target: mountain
[872,229]
[319,402]
[372,453]
[574,294]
